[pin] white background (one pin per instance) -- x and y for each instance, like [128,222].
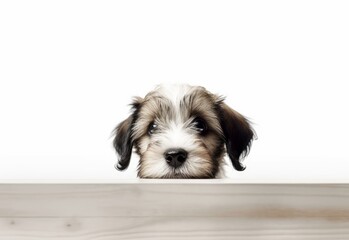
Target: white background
[68,70]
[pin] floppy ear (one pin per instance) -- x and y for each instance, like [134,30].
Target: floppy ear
[238,134]
[123,142]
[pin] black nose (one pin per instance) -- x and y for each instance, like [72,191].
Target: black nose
[175,157]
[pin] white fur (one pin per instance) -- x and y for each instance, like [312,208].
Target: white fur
[174,92]
[176,135]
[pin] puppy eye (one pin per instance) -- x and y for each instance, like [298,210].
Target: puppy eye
[200,125]
[152,127]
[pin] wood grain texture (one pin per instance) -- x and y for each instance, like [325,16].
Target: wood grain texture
[165,228]
[174,211]
[132,200]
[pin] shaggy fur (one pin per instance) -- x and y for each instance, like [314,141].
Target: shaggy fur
[182,117]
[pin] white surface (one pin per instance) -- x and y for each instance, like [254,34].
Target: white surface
[68,69]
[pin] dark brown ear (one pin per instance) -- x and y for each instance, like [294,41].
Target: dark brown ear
[123,142]
[238,134]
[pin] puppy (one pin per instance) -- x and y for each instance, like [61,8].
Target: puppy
[182,131]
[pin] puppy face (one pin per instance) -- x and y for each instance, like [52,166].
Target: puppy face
[182,131]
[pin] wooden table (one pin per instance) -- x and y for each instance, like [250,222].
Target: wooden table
[181,209]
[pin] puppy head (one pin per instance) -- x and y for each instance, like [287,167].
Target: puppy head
[182,131]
